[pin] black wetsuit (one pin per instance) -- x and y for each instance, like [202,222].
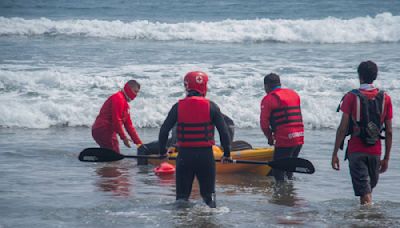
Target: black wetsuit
[230,125]
[195,161]
[154,147]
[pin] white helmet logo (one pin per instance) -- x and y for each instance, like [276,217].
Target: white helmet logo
[199,79]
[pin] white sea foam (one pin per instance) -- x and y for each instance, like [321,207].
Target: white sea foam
[383,27]
[61,96]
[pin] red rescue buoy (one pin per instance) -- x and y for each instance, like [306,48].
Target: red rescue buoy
[164,169]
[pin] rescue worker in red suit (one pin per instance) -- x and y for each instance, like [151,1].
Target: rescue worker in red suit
[196,117]
[114,114]
[281,121]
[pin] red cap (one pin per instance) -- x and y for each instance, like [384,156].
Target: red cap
[128,91]
[197,81]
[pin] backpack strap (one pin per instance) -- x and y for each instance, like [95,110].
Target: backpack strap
[380,98]
[359,98]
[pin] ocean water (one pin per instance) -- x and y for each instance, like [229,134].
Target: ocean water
[44,185]
[61,59]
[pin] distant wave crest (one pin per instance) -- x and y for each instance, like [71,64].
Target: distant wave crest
[383,27]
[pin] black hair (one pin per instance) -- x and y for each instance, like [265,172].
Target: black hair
[367,71]
[272,80]
[134,84]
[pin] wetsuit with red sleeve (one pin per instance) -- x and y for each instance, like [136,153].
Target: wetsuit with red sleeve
[196,118]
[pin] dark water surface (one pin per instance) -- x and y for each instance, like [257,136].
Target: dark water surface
[44,185]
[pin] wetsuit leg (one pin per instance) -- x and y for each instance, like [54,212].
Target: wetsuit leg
[184,175]
[142,161]
[151,148]
[285,152]
[279,153]
[205,174]
[294,154]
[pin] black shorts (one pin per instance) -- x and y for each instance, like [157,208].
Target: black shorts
[364,172]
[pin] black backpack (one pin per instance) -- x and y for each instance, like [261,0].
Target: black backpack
[368,118]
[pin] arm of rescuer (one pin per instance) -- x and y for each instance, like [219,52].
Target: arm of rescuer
[132,131]
[218,120]
[118,113]
[168,124]
[340,135]
[346,108]
[388,134]
[266,108]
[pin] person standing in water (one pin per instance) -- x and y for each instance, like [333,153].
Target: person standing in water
[153,147]
[114,114]
[366,111]
[196,117]
[281,121]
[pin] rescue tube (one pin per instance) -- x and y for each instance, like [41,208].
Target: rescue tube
[164,169]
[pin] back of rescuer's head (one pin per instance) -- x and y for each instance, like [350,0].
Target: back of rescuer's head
[196,81]
[270,81]
[367,71]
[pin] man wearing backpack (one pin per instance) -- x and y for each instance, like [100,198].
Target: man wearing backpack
[366,111]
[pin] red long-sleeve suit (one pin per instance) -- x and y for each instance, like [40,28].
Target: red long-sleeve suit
[113,115]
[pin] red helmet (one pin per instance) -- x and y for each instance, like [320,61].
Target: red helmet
[129,93]
[197,81]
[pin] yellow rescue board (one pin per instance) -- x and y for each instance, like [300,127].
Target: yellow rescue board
[255,154]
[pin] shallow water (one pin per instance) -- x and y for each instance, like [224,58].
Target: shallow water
[44,185]
[61,59]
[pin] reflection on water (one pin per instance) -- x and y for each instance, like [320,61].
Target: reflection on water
[188,214]
[284,193]
[280,198]
[114,179]
[352,214]
[166,180]
[241,200]
[281,193]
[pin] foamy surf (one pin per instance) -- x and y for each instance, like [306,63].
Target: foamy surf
[384,27]
[70,97]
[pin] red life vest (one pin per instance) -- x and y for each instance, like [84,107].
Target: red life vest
[195,128]
[289,113]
